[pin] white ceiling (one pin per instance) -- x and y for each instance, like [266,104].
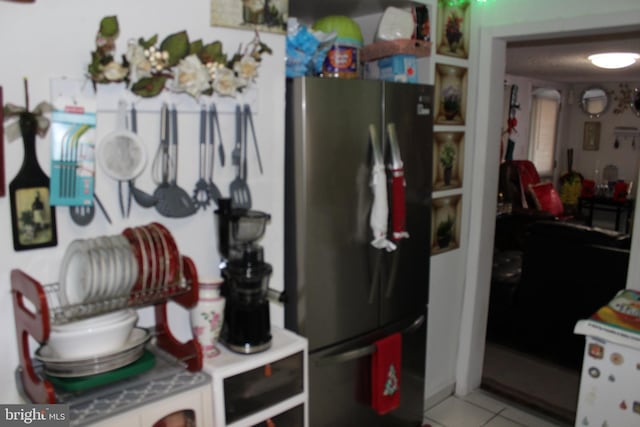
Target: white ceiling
[565,59]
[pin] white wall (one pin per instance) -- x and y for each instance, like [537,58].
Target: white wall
[45,40]
[625,157]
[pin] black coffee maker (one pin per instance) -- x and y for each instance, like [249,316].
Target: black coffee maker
[246,327]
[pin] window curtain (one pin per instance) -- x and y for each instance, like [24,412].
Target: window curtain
[544,121]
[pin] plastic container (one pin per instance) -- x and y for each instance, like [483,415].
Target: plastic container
[343,58]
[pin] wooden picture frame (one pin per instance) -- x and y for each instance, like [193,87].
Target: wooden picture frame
[452,38]
[255,15]
[450,102]
[591,136]
[448,160]
[446,213]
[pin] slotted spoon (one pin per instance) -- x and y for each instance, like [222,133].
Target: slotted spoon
[176,202]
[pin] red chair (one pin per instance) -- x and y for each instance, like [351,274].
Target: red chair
[520,185]
[515,178]
[620,191]
[588,188]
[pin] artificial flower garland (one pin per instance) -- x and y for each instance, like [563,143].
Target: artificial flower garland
[177,64]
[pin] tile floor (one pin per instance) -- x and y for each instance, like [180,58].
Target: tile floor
[483,409]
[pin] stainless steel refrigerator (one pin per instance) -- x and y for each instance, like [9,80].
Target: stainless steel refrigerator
[342,293]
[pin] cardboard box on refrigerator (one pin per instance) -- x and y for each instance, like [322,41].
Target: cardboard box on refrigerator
[610,381]
[395,68]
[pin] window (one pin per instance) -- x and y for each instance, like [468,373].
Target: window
[544,122]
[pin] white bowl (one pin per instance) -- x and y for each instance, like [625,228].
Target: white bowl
[92,337]
[92,322]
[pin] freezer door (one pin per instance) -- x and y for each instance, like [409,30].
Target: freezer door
[340,380]
[328,260]
[405,284]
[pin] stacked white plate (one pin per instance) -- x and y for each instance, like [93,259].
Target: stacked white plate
[129,352]
[97,269]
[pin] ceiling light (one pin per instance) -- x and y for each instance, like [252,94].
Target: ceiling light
[614,59]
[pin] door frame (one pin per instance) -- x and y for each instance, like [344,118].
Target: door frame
[491,60]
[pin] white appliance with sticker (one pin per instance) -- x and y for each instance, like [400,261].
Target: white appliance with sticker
[609,386]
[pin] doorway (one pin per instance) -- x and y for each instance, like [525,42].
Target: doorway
[492,60]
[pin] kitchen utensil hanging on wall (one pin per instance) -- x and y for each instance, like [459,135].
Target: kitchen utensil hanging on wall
[33,219]
[141,197]
[122,156]
[173,201]
[214,191]
[238,189]
[200,196]
[248,117]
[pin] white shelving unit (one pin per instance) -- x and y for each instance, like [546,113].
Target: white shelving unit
[252,389]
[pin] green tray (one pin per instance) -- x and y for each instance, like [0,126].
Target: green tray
[143,364]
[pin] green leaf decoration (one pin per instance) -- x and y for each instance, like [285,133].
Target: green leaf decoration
[146,44]
[212,53]
[109,26]
[263,48]
[177,45]
[195,47]
[149,86]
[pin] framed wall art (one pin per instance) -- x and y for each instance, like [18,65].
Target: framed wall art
[445,224]
[452,37]
[448,160]
[591,138]
[450,94]
[261,15]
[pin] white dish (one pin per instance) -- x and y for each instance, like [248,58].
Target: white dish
[111,317]
[91,339]
[129,352]
[75,273]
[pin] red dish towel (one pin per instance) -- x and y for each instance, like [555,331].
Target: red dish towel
[385,374]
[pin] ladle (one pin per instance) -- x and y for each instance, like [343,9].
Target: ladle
[141,197]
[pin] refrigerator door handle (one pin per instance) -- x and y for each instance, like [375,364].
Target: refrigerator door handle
[391,283]
[367,350]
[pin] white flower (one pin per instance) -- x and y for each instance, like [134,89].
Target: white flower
[247,69]
[191,76]
[138,62]
[225,82]
[114,72]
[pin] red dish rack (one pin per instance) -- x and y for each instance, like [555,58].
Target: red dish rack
[34,316]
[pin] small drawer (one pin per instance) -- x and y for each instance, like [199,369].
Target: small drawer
[294,417]
[257,389]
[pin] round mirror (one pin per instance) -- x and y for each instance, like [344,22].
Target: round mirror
[635,101]
[594,101]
